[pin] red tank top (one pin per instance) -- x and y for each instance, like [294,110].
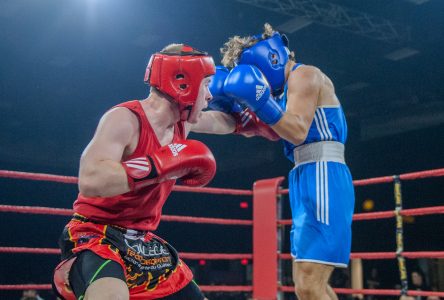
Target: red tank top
[139,210]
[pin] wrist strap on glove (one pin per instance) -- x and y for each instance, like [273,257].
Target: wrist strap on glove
[140,171]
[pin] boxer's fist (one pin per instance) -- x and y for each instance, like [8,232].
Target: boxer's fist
[220,101]
[248,124]
[189,160]
[248,85]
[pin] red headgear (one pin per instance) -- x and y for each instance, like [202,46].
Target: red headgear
[179,75]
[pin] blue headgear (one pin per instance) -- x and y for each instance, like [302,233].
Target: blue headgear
[270,56]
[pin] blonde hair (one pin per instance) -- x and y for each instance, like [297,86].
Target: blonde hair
[232,50]
[173,49]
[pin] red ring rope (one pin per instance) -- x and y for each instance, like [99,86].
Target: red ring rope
[73,180]
[388,179]
[166,218]
[235,256]
[241,288]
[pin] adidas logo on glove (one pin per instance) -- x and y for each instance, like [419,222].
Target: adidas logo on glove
[245,117]
[176,148]
[260,90]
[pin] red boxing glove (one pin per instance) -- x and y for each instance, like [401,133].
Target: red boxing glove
[189,160]
[248,124]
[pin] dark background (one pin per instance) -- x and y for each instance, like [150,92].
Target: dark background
[64,63]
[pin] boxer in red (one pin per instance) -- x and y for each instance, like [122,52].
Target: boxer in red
[126,174]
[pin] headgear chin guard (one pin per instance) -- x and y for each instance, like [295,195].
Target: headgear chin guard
[270,55]
[179,76]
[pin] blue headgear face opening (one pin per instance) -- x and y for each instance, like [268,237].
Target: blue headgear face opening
[270,56]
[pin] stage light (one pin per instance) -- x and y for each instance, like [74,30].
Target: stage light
[368,205]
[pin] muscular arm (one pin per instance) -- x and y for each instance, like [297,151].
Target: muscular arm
[304,86]
[214,122]
[101,173]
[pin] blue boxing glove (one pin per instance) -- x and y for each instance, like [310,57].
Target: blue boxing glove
[248,85]
[247,123]
[220,101]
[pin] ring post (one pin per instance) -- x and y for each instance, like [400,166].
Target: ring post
[400,236]
[265,247]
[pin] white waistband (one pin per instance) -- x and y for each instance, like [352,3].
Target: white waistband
[319,151]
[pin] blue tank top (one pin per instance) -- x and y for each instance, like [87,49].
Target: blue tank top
[328,124]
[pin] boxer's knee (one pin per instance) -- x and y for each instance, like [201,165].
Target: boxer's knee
[311,280]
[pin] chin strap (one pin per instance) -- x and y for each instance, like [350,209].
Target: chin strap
[185,113]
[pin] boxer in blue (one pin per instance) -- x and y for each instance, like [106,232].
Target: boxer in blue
[298,102]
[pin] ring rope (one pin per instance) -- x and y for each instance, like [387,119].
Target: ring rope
[194,256]
[246,288]
[388,214]
[384,255]
[166,218]
[360,182]
[382,292]
[74,180]
[171,218]
[388,179]
[236,256]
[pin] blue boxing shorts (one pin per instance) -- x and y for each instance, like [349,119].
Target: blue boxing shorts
[322,203]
